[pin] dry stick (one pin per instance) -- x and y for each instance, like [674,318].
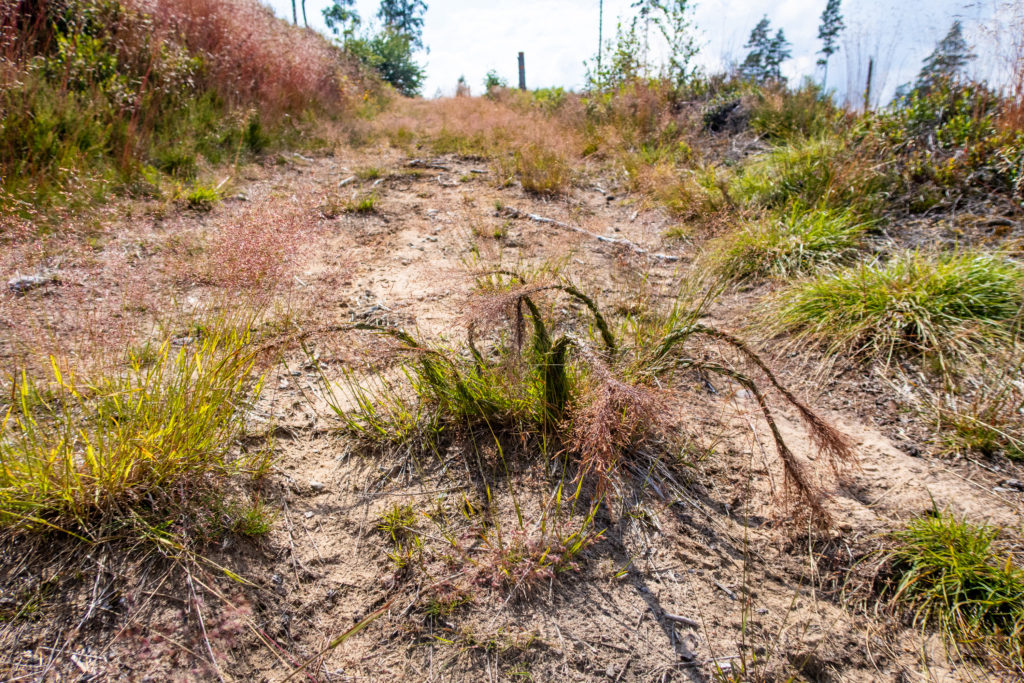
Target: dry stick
[202,627]
[291,543]
[516,213]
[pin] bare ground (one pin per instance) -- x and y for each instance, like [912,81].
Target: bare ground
[683,585]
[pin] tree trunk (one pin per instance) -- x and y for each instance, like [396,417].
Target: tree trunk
[295,14]
[304,22]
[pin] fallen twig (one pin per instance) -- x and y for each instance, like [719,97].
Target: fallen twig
[512,212]
[686,621]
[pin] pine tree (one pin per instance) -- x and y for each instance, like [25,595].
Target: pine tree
[753,66]
[404,17]
[831,26]
[948,60]
[766,54]
[778,52]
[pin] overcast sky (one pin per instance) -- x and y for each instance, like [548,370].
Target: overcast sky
[470,38]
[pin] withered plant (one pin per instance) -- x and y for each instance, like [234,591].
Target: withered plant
[569,387]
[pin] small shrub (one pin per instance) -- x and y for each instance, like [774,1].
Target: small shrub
[788,245]
[945,305]
[948,574]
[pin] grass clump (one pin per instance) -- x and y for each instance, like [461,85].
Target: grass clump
[948,574]
[202,197]
[946,305]
[542,170]
[787,245]
[362,204]
[810,172]
[136,449]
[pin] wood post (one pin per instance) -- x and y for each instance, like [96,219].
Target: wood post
[522,71]
[867,88]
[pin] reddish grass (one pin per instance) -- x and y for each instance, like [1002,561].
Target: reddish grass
[252,57]
[258,250]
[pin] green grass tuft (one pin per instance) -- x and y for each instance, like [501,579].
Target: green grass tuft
[202,197]
[128,449]
[366,203]
[947,305]
[947,572]
[813,172]
[787,245]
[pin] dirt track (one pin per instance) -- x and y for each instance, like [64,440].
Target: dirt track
[719,559]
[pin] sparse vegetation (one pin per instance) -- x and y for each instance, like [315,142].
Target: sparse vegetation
[589,396]
[514,442]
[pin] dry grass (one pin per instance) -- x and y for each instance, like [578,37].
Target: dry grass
[539,149]
[251,56]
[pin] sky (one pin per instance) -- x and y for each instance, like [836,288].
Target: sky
[470,38]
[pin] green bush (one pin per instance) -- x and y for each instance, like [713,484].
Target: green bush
[949,135]
[389,53]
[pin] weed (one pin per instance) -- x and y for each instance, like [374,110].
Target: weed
[398,522]
[695,194]
[363,204]
[947,573]
[94,89]
[946,305]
